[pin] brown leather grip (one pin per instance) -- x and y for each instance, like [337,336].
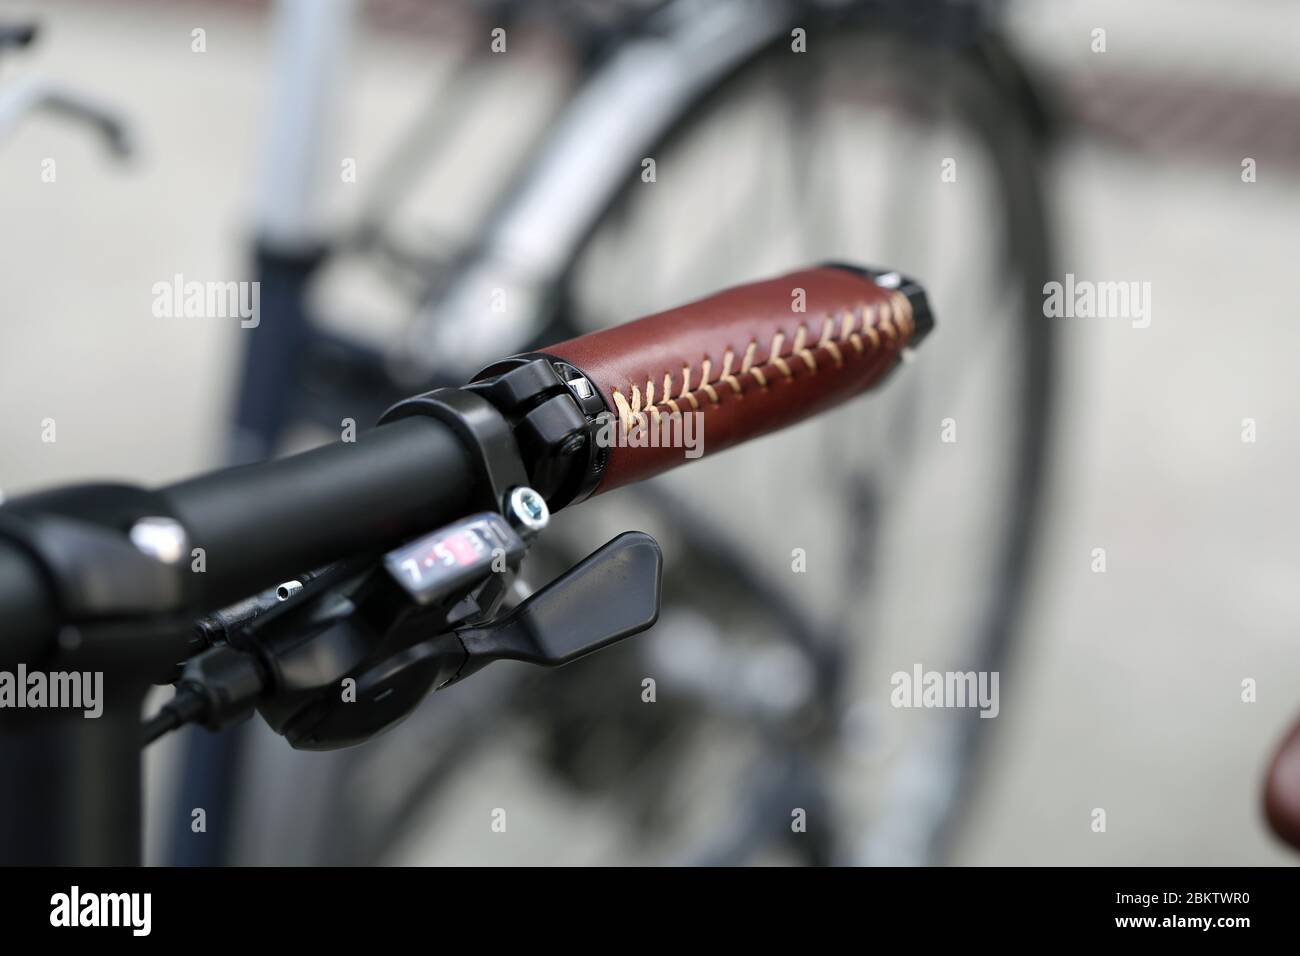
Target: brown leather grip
[746,359]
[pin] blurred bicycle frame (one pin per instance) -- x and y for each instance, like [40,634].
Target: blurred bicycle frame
[641,78]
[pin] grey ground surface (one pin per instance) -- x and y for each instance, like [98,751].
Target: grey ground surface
[1131,698]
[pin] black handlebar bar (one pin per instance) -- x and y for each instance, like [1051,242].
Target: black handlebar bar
[26,603]
[263,523]
[266,522]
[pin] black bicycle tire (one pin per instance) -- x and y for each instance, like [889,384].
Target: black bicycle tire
[1017,150]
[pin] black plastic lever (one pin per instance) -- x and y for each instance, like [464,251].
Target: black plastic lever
[611,594]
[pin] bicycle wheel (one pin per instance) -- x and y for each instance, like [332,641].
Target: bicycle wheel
[914,511]
[773,683]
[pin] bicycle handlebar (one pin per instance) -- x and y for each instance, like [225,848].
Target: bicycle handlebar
[255,525]
[750,359]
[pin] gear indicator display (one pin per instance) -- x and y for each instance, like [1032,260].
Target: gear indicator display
[455,557]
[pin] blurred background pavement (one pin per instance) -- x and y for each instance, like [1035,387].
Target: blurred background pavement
[1134,702]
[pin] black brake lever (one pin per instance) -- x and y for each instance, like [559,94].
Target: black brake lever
[608,596]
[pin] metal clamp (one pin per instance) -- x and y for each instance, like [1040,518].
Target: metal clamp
[485,434]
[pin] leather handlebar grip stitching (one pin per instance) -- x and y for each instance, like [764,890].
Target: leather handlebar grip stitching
[747,360]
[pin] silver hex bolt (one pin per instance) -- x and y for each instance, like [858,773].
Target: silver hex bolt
[528,510]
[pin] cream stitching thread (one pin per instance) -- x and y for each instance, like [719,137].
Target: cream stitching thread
[650,400]
[709,390]
[892,317]
[726,372]
[825,342]
[800,348]
[903,307]
[774,355]
[887,321]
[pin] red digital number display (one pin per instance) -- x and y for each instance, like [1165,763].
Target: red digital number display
[464,547]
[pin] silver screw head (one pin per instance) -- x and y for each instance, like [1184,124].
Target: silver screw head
[528,509]
[581,387]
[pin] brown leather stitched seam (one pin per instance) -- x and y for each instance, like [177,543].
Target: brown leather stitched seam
[892,317]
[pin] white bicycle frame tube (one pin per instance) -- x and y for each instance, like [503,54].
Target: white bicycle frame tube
[493,304]
[309,54]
